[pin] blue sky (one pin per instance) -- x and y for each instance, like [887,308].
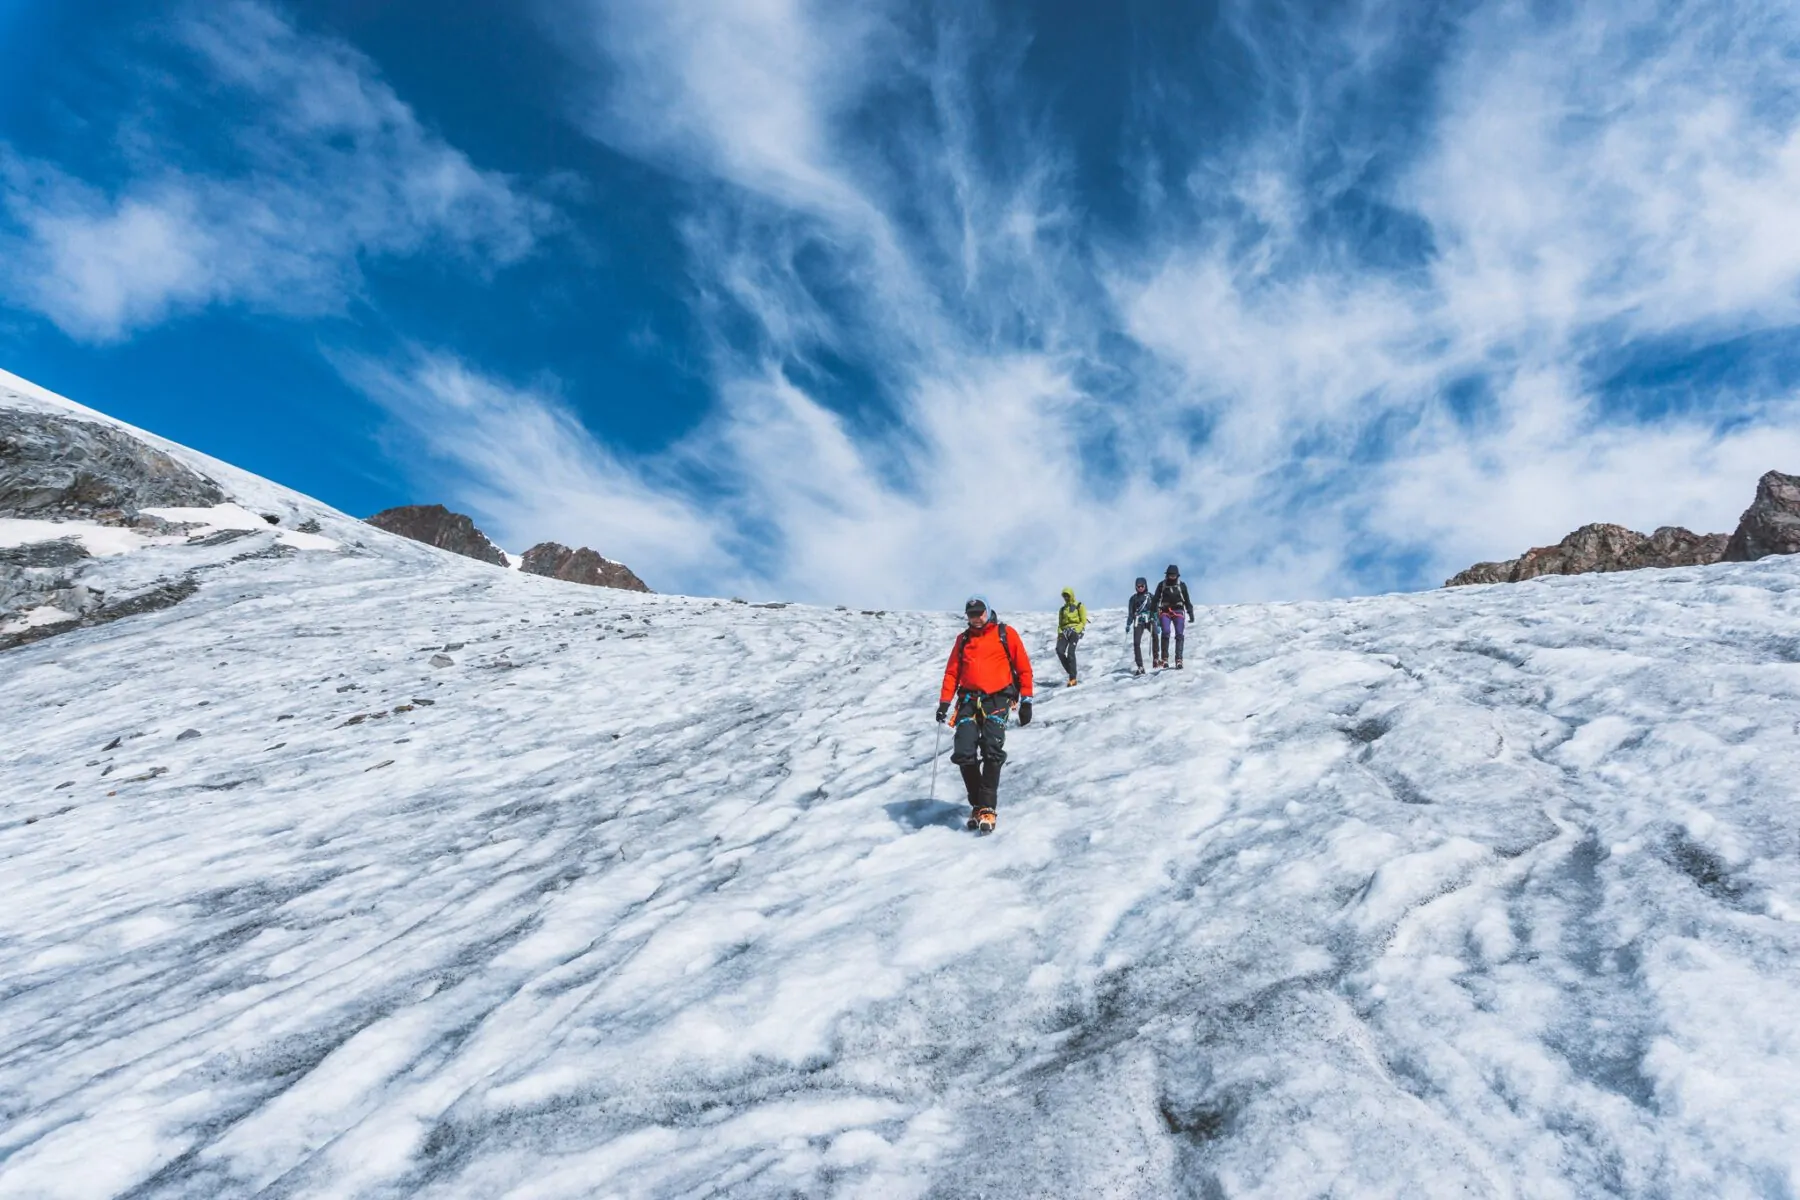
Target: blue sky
[881,303]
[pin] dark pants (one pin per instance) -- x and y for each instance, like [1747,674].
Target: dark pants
[1177,620]
[1065,650]
[1138,630]
[979,747]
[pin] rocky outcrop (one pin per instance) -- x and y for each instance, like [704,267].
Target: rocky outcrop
[579,566]
[1771,525]
[1594,548]
[54,467]
[87,607]
[437,526]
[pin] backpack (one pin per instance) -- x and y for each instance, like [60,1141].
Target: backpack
[962,646]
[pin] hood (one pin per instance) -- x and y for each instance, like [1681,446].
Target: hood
[1069,595]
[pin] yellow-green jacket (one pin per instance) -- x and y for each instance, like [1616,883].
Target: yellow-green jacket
[1073,615]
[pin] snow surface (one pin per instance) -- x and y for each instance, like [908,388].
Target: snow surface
[221,517]
[1484,892]
[32,618]
[105,541]
[97,539]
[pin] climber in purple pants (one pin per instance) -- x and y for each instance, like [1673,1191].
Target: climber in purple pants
[1174,609]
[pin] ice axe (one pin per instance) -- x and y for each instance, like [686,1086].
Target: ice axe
[937,744]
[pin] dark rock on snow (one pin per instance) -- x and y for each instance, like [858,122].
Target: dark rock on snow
[1595,548]
[55,466]
[222,537]
[90,607]
[437,526]
[557,561]
[64,552]
[1771,525]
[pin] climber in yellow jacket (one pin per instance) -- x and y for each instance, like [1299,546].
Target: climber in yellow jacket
[1071,623]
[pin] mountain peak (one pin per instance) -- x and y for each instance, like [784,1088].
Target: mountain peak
[435,525]
[1601,547]
[1771,525]
[557,561]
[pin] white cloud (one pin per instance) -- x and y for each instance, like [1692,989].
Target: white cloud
[98,267]
[749,91]
[524,466]
[1587,183]
[328,167]
[1625,162]
[1230,383]
[1237,389]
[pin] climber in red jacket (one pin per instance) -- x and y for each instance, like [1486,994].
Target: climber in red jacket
[988,673]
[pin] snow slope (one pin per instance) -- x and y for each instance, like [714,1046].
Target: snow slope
[1484,892]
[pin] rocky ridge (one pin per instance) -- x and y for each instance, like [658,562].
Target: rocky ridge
[1771,525]
[435,525]
[54,467]
[557,561]
[1601,547]
[99,522]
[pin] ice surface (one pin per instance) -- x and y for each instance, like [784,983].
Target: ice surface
[31,618]
[107,540]
[1486,892]
[221,517]
[97,539]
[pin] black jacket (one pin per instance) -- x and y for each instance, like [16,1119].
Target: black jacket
[1139,601]
[1172,594]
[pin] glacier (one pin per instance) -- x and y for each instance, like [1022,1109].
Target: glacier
[1484,892]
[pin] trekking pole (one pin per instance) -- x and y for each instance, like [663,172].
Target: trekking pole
[937,744]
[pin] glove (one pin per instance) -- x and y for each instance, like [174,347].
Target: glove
[943,711]
[1025,711]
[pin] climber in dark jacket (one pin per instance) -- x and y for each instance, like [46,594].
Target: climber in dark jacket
[1140,617]
[1174,609]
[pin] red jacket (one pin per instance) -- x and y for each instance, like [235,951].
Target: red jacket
[979,663]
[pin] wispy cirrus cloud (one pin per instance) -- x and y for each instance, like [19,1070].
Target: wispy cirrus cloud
[325,167]
[1342,301]
[523,463]
[1353,337]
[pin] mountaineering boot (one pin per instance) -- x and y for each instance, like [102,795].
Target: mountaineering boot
[1178,664]
[983,820]
[1071,681]
[971,774]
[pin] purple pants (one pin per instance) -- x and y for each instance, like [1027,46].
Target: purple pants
[1176,621]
